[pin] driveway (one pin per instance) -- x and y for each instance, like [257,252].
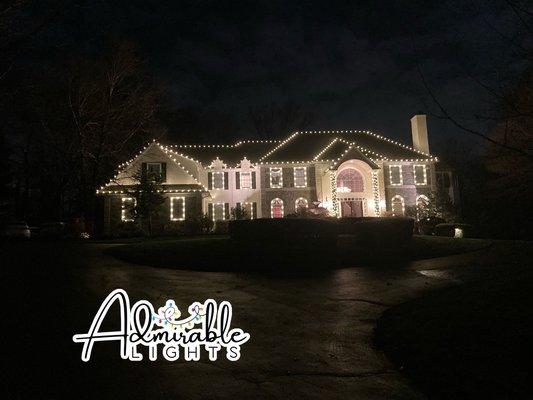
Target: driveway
[311,336]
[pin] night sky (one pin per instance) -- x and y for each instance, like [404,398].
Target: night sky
[353,65]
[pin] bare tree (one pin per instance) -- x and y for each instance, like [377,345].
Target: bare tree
[111,106]
[277,119]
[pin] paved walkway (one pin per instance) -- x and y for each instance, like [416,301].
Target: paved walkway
[311,336]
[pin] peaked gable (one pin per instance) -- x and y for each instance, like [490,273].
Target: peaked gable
[179,170]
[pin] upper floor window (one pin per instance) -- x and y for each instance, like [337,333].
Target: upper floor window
[276,177]
[276,208]
[300,176]
[218,180]
[420,174]
[177,208]
[155,170]
[350,180]
[246,180]
[395,175]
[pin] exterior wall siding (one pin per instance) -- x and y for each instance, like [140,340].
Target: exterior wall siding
[288,193]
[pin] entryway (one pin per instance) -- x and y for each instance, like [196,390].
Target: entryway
[352,208]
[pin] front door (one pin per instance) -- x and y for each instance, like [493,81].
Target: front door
[352,208]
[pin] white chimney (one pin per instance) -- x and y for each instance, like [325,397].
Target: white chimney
[419,129]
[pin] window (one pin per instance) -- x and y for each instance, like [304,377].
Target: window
[218,211]
[246,180]
[395,175]
[397,206]
[218,180]
[420,174]
[422,201]
[276,177]
[177,208]
[350,180]
[300,203]
[128,204]
[248,209]
[276,208]
[154,169]
[300,176]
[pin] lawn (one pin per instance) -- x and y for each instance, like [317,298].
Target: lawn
[467,342]
[221,253]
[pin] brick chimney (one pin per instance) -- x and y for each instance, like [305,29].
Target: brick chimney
[419,129]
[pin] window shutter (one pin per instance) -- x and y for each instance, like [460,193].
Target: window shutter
[143,170]
[238,180]
[253,180]
[210,210]
[210,182]
[163,172]
[267,180]
[226,181]
[226,211]
[254,209]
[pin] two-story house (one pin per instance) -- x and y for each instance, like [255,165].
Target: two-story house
[350,173]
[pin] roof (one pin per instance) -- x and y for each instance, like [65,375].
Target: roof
[305,146]
[230,154]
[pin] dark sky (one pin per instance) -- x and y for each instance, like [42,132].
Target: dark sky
[352,64]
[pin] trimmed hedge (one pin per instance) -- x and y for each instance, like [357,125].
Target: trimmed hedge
[368,231]
[284,232]
[372,231]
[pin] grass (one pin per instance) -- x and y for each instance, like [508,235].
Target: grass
[221,253]
[468,342]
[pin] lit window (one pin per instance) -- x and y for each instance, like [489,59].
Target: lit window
[218,211]
[350,180]
[276,177]
[218,180]
[422,201]
[128,204]
[300,203]
[300,176]
[177,208]
[395,175]
[248,209]
[154,169]
[398,206]
[420,174]
[246,180]
[276,208]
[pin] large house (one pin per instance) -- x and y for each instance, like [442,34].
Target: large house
[347,172]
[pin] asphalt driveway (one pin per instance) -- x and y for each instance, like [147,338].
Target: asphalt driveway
[311,336]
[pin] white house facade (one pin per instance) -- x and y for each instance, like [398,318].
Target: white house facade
[349,173]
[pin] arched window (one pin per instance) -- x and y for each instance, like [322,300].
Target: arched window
[276,208]
[422,201]
[397,206]
[300,203]
[350,180]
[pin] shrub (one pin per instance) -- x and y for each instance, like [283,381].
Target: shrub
[376,232]
[127,229]
[174,228]
[284,232]
[221,228]
[426,226]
